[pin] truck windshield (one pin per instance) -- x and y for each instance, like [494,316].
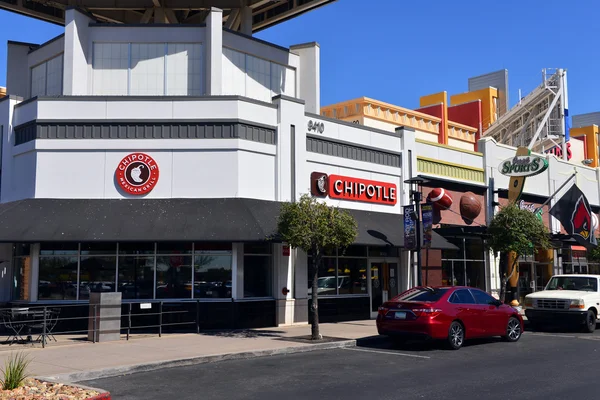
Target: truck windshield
[573,283]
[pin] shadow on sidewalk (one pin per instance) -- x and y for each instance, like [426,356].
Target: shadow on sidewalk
[243,333]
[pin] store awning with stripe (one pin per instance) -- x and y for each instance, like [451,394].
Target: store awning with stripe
[232,219]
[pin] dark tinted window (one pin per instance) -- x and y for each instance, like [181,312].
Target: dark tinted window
[482,297]
[431,295]
[462,296]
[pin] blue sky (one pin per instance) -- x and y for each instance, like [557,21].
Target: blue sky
[396,51]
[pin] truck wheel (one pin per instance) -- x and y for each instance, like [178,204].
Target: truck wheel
[590,322]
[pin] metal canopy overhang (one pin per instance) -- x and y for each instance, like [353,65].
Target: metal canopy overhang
[265,13]
[234,219]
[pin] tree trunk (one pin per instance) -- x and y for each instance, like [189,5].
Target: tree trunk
[507,279]
[315,335]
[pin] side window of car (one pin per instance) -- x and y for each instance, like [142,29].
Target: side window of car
[462,296]
[482,297]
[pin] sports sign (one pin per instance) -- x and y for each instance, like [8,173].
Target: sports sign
[521,165]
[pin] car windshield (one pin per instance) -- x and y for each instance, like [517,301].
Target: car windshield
[428,295]
[573,283]
[326,283]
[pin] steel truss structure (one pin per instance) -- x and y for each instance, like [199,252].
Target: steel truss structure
[538,120]
[247,16]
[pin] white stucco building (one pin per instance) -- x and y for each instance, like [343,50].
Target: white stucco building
[152,160]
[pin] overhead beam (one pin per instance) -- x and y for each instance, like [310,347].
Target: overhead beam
[29,12]
[197,18]
[147,16]
[231,18]
[289,14]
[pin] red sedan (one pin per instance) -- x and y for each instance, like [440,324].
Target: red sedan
[453,314]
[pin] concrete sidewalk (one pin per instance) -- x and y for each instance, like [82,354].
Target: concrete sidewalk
[71,361]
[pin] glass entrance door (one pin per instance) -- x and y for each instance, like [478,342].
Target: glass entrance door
[526,280]
[384,283]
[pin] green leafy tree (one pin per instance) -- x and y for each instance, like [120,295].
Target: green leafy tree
[316,228]
[519,231]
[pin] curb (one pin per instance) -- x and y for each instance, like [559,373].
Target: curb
[131,369]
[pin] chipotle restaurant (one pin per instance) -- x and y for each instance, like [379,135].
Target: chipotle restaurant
[189,215]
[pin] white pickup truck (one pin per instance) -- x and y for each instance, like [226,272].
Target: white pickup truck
[572,299]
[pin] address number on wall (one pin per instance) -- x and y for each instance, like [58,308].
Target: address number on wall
[316,126]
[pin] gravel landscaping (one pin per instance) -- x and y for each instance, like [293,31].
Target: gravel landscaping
[33,389]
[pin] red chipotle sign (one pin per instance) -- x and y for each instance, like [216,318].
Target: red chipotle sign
[353,189]
[137,174]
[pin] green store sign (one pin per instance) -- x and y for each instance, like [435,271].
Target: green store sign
[523,166]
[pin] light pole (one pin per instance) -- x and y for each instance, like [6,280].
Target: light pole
[416,184]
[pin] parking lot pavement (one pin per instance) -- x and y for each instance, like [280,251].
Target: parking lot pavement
[542,365]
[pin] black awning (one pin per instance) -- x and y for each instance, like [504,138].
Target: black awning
[82,220]
[39,220]
[462,231]
[379,229]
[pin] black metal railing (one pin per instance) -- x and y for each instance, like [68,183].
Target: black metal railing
[21,323]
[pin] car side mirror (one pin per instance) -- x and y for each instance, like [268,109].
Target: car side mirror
[496,303]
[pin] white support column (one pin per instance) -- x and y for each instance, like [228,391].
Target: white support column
[9,183]
[237,274]
[77,57]
[246,26]
[282,279]
[290,125]
[214,52]
[308,76]
[300,287]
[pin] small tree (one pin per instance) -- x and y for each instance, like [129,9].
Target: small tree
[519,231]
[315,227]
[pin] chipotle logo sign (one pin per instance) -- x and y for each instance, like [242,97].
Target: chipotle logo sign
[353,189]
[137,174]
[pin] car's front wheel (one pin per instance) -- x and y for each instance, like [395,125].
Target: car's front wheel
[590,322]
[456,335]
[513,330]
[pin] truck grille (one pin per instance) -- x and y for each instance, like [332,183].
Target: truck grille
[552,304]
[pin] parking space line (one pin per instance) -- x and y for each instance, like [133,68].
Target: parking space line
[564,336]
[387,352]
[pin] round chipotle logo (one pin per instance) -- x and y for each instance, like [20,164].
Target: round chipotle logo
[137,174]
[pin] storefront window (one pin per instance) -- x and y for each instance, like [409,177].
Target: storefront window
[97,274]
[57,278]
[136,248]
[465,266]
[353,251]
[326,281]
[173,277]
[136,277]
[258,266]
[345,275]
[98,248]
[353,275]
[59,249]
[212,276]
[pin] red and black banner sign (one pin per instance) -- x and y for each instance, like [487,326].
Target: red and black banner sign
[575,214]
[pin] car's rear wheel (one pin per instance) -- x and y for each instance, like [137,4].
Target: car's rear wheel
[590,322]
[513,330]
[456,335]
